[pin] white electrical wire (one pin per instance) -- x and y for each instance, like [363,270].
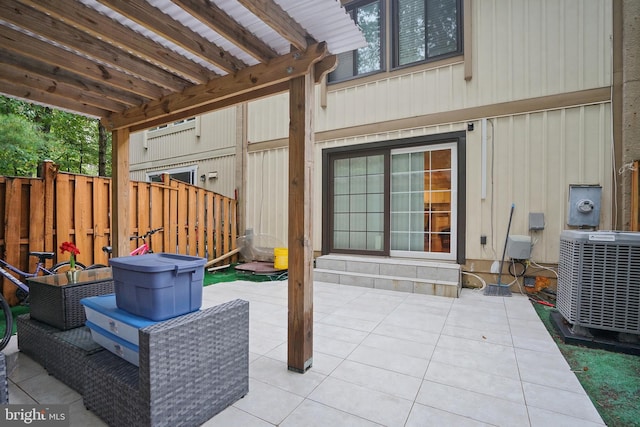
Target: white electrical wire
[484,284]
[532,262]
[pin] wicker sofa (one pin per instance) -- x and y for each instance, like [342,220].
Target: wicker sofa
[191,368]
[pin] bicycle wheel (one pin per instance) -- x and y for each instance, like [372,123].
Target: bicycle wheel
[8,319]
[94,266]
[61,267]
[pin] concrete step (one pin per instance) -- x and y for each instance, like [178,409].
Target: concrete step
[399,274]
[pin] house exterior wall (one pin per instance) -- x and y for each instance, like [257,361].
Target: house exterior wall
[541,75]
[207,143]
[539,90]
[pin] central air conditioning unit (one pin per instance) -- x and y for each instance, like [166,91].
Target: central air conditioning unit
[599,280]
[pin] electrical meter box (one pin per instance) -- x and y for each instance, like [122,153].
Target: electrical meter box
[584,205]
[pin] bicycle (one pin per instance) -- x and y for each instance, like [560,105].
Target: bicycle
[144,248]
[23,288]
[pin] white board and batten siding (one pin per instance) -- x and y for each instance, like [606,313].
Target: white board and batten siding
[521,50]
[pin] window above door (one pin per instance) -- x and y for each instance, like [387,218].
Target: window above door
[401,33]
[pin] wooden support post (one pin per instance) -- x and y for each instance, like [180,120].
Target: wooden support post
[300,336]
[120,189]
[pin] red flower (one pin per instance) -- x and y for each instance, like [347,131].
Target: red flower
[71,248]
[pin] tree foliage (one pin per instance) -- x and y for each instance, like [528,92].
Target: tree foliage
[32,133]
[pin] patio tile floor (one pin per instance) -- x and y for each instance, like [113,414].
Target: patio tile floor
[380,358]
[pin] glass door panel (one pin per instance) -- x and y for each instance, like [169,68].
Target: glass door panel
[422,201]
[358,203]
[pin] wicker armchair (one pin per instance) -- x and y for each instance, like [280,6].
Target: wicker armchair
[191,368]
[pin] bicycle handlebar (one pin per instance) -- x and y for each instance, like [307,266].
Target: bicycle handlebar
[147,234]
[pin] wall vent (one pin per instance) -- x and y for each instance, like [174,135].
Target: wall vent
[599,280]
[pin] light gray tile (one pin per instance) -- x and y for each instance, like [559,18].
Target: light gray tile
[474,346]
[233,416]
[268,402]
[370,313]
[325,276]
[350,322]
[21,367]
[333,347]
[543,418]
[393,285]
[354,280]
[497,364]
[18,396]
[314,414]
[502,338]
[331,264]
[378,379]
[407,333]
[325,363]
[400,270]
[363,267]
[399,345]
[388,359]
[46,389]
[421,416]
[340,333]
[79,416]
[546,345]
[474,380]
[480,407]
[276,373]
[262,345]
[372,405]
[575,405]
[423,321]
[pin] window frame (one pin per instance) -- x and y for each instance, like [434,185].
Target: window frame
[395,37]
[349,7]
[330,154]
[389,43]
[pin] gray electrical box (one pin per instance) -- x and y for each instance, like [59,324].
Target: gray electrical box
[536,221]
[584,205]
[519,247]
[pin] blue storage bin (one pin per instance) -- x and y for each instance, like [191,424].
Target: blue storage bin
[158,286]
[113,328]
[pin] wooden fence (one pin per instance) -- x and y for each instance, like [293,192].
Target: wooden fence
[41,213]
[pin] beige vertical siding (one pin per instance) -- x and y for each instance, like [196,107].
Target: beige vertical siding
[535,157]
[267,193]
[521,49]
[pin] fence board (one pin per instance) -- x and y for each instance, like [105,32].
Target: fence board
[41,213]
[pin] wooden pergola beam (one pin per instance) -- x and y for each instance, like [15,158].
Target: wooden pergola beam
[100,26]
[207,12]
[59,76]
[48,27]
[18,90]
[146,15]
[273,15]
[19,76]
[321,67]
[256,77]
[31,47]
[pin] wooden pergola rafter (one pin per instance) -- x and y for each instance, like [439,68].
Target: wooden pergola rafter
[139,64]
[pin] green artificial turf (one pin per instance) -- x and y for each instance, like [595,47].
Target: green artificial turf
[16,311]
[612,380]
[230,274]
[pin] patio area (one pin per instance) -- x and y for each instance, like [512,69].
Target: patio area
[380,358]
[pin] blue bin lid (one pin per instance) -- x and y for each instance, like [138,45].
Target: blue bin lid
[158,262]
